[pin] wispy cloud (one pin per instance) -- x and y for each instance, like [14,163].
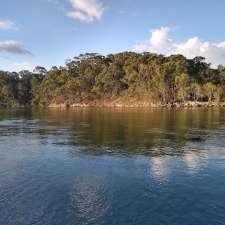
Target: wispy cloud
[86,10]
[27,65]
[13,47]
[7,25]
[161,43]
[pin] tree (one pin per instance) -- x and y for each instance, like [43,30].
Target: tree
[182,83]
[210,90]
[91,77]
[40,70]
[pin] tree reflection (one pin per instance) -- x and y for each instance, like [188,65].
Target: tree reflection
[152,132]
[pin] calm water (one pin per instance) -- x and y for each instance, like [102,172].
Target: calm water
[106,167]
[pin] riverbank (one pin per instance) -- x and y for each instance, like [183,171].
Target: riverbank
[127,104]
[141,104]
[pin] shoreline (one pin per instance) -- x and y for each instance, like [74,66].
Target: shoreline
[116,104]
[138,105]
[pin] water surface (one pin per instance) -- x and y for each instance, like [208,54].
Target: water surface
[106,167]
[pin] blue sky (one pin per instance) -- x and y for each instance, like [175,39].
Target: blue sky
[47,32]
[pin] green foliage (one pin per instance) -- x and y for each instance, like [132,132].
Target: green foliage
[92,77]
[183,86]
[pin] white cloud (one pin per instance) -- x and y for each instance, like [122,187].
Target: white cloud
[7,25]
[161,43]
[86,10]
[13,47]
[27,65]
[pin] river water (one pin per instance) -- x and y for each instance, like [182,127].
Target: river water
[112,167]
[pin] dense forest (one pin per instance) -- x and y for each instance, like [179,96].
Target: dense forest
[124,77]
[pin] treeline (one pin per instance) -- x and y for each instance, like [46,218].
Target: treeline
[126,76]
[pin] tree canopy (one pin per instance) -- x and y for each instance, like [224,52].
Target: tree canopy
[93,77]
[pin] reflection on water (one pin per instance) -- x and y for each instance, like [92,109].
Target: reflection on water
[150,132]
[195,161]
[112,166]
[88,199]
[159,167]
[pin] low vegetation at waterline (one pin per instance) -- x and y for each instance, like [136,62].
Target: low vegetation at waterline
[128,78]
